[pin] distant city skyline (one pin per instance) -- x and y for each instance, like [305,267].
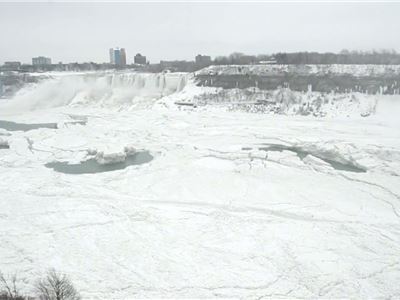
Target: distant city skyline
[84,32]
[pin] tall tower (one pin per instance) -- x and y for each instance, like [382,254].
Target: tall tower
[118,56]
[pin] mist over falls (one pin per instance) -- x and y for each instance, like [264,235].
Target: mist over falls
[98,89]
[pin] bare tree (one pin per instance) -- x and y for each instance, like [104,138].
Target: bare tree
[56,286]
[9,288]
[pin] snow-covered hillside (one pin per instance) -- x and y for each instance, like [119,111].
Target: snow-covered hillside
[225,204]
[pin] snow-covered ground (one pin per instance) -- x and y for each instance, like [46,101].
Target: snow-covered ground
[218,212]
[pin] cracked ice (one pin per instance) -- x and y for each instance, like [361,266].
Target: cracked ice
[211,215]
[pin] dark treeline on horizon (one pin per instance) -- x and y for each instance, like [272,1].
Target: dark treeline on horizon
[382,57]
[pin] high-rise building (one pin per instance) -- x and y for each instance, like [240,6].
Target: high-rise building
[140,59]
[118,56]
[41,61]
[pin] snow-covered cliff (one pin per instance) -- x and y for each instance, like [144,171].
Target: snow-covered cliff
[263,70]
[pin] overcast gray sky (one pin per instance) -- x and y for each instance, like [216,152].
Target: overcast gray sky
[70,32]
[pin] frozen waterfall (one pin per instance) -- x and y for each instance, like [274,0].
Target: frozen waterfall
[98,89]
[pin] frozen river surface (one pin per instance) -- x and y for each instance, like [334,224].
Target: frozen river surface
[212,213]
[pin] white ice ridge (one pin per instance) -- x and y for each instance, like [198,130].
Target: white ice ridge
[109,156]
[112,90]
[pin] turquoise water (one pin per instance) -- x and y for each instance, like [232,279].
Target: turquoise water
[302,154]
[12,126]
[91,166]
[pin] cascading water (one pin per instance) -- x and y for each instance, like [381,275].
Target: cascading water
[98,89]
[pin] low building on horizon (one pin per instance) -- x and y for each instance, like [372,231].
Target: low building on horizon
[11,66]
[203,59]
[140,59]
[41,61]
